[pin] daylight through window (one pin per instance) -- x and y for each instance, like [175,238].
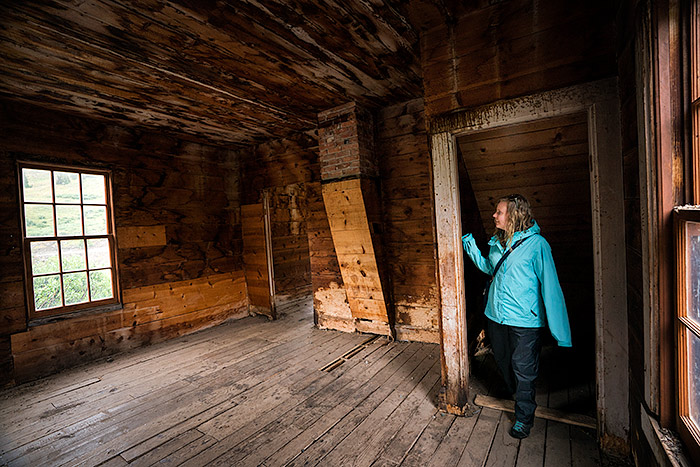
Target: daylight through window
[68,238]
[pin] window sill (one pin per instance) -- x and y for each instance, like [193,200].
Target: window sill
[667,447]
[87,312]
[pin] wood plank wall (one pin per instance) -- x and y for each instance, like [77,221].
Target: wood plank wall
[189,278]
[409,239]
[499,50]
[290,244]
[626,24]
[284,168]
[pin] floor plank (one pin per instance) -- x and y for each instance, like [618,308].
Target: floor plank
[410,432]
[504,448]
[424,447]
[531,451]
[251,392]
[452,445]
[479,444]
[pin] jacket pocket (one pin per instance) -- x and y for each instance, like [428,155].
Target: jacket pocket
[533,312]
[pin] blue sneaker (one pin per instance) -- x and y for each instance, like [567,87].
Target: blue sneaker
[519,430]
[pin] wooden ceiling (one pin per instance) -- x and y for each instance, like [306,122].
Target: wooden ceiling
[234,72]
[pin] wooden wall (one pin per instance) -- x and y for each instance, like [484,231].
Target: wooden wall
[626,23]
[188,278]
[500,50]
[409,239]
[290,245]
[284,168]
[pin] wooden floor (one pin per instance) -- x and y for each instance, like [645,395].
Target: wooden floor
[252,392]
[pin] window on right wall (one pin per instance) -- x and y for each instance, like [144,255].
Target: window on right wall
[687,227]
[688,326]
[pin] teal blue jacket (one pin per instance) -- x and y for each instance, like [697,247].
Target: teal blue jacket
[526,291]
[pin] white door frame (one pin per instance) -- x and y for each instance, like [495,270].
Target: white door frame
[600,101]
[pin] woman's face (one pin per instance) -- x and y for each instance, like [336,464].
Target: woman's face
[500,217]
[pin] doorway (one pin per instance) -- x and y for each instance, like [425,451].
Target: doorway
[546,160]
[599,101]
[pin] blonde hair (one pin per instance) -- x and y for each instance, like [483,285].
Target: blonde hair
[519,217]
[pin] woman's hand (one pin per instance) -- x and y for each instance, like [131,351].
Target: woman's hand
[466,239]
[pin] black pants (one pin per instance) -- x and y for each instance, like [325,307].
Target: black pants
[517,352]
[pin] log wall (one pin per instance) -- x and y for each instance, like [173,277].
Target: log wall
[177,213]
[500,50]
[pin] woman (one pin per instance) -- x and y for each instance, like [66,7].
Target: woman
[523,297]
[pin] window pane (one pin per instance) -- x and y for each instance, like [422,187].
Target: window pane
[693,270]
[72,256]
[98,253]
[67,187]
[101,284]
[94,189]
[47,292]
[38,219]
[694,377]
[44,257]
[68,221]
[36,185]
[95,220]
[76,287]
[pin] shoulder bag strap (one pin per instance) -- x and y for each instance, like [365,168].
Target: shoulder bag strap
[505,255]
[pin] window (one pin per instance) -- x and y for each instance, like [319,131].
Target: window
[69,245]
[688,325]
[687,228]
[695,96]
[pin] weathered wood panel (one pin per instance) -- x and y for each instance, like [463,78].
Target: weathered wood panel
[150,314]
[176,201]
[500,50]
[409,241]
[331,307]
[350,226]
[255,259]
